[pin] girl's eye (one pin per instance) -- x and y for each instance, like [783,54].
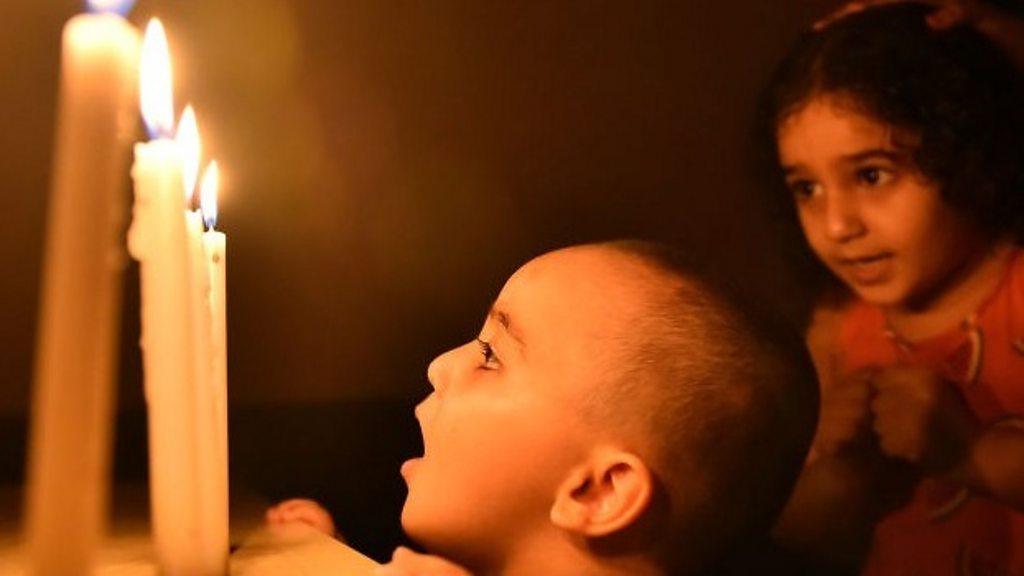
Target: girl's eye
[874,176]
[802,189]
[490,360]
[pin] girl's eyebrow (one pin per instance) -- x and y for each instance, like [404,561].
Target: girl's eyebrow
[875,153]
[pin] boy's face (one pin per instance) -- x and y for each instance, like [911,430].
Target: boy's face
[867,212]
[502,426]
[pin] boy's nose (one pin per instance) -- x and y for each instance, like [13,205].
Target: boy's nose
[842,217]
[439,370]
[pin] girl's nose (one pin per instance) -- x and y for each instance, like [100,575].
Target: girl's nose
[842,217]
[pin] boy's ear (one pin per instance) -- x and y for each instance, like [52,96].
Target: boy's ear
[605,494]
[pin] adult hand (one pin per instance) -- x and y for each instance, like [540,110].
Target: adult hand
[921,418]
[845,418]
[1003,27]
[405,562]
[947,13]
[302,510]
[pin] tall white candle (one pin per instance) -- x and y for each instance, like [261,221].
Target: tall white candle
[216,479]
[158,239]
[212,550]
[79,322]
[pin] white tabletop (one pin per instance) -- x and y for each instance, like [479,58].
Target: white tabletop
[293,549]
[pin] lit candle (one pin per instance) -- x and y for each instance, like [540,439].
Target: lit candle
[216,487]
[79,318]
[213,534]
[158,239]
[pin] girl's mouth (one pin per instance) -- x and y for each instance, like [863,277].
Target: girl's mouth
[868,270]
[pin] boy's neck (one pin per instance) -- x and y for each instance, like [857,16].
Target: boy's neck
[961,298]
[565,558]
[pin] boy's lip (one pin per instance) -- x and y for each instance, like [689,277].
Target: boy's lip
[408,466]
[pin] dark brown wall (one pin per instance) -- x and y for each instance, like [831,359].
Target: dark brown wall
[387,164]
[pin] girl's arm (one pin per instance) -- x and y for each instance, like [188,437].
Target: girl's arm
[846,484]
[923,420]
[995,464]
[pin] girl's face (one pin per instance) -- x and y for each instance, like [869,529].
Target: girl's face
[867,212]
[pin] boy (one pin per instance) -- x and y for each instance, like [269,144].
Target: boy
[614,416]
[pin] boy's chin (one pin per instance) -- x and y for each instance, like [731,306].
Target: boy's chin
[413,517]
[423,522]
[419,529]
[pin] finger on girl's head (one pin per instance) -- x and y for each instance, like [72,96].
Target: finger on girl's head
[947,16]
[859,6]
[848,9]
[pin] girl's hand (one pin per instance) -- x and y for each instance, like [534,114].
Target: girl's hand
[405,562]
[845,418]
[302,510]
[921,418]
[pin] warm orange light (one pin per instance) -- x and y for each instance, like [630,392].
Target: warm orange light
[191,150]
[155,86]
[208,194]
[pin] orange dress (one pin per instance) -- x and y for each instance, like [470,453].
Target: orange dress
[945,530]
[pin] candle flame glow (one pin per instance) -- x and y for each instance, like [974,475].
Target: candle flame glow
[208,194]
[191,151]
[155,87]
[120,7]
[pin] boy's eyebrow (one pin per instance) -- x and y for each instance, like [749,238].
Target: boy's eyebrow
[501,317]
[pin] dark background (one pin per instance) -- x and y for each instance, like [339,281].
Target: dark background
[387,164]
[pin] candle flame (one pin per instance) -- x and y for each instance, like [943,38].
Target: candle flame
[191,151]
[155,86]
[120,7]
[208,194]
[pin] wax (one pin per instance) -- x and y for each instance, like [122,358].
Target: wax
[79,322]
[210,467]
[215,252]
[158,239]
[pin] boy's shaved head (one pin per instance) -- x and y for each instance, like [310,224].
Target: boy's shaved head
[615,410]
[723,396]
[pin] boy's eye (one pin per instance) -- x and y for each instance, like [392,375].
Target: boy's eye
[874,176]
[490,360]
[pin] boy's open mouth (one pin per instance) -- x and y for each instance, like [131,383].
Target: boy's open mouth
[409,465]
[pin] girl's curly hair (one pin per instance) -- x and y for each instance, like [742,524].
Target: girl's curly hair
[954,90]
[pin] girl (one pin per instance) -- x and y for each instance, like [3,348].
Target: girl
[902,148]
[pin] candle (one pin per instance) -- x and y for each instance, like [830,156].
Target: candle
[213,535]
[215,251]
[69,455]
[158,239]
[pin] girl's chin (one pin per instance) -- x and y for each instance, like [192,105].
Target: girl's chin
[882,296]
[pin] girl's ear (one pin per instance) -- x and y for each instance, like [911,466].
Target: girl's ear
[606,494]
